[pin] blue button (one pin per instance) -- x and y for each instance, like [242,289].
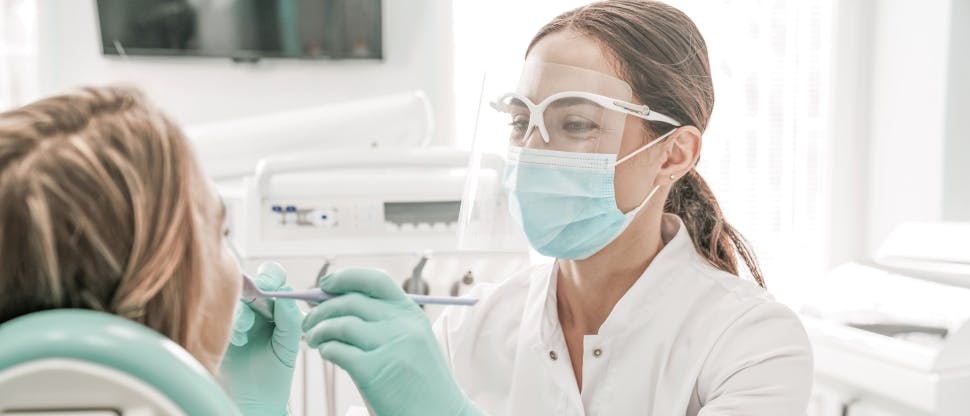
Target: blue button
[277,208]
[323,217]
[291,208]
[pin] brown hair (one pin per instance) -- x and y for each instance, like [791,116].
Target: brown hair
[96,212]
[663,56]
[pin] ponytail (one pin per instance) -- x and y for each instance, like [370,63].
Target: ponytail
[663,56]
[692,200]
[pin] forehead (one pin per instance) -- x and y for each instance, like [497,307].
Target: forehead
[568,47]
[565,61]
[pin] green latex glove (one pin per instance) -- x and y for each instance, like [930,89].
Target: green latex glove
[384,341]
[258,365]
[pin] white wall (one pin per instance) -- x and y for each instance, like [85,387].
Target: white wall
[417,50]
[956,185]
[900,149]
[851,92]
[908,115]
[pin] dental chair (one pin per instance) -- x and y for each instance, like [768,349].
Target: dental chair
[85,363]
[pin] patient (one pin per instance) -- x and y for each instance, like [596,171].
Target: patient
[103,206]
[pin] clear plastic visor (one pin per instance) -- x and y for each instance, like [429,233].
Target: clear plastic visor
[555,107]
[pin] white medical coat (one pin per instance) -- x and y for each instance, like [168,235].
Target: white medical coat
[686,339]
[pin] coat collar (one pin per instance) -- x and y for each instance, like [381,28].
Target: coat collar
[677,255]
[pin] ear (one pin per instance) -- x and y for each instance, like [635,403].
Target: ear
[683,150]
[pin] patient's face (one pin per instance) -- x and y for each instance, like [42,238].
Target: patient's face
[223,278]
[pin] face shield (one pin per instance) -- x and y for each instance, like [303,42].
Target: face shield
[557,112]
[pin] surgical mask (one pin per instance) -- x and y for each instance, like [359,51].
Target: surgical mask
[566,201]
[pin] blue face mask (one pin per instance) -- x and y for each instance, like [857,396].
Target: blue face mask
[565,201]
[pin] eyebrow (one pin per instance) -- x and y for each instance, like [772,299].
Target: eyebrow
[572,101]
[517,102]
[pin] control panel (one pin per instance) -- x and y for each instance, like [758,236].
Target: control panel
[322,217]
[362,202]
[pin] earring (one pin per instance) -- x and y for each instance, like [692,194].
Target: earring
[671,177]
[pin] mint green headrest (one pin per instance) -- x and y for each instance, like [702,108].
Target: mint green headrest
[118,343]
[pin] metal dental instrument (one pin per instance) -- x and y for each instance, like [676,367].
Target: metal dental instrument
[324,270]
[252,294]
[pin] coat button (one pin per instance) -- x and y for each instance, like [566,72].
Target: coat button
[597,352]
[553,355]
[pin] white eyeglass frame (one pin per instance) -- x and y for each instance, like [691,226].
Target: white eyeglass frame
[536,110]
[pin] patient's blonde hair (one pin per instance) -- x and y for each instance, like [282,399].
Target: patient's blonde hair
[97,212]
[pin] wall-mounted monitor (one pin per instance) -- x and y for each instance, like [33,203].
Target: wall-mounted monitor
[242,29]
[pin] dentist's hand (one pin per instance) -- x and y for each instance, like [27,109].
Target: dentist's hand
[383,339]
[258,365]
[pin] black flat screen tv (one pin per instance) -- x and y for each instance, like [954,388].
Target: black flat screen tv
[242,29]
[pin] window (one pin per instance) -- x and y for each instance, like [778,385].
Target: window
[763,150]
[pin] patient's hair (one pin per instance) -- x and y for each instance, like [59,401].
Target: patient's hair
[96,211]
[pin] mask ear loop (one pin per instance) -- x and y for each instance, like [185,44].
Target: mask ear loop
[645,147]
[653,191]
[636,210]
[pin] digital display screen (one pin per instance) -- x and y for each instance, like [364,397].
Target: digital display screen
[422,212]
[314,29]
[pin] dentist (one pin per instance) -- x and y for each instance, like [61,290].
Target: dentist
[643,311]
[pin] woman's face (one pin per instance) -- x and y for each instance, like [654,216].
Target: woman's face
[222,278]
[634,178]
